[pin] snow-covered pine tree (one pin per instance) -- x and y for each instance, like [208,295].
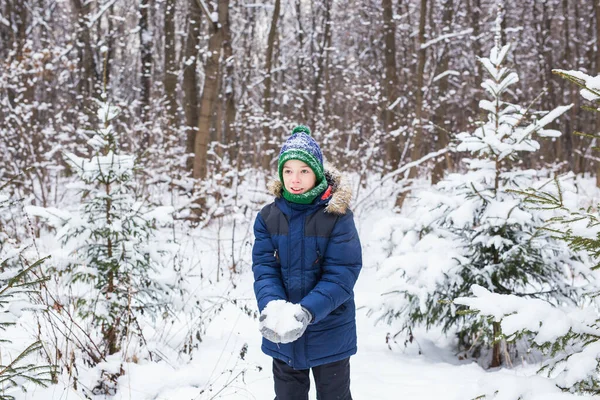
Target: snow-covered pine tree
[17,284]
[470,229]
[570,336]
[115,268]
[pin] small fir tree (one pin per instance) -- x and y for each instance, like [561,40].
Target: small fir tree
[569,336]
[17,286]
[473,230]
[117,263]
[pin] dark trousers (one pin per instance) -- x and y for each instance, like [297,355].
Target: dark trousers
[332,381]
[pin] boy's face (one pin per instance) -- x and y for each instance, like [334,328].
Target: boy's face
[298,178]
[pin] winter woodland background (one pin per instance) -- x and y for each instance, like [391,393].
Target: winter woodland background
[137,136]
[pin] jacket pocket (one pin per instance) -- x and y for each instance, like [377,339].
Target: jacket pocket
[339,310]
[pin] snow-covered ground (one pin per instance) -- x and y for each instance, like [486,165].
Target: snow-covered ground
[378,373]
[228,363]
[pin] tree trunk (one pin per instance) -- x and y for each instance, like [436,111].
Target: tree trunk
[318,84]
[108,56]
[21,23]
[442,136]
[208,98]
[496,353]
[170,77]
[549,101]
[327,99]
[300,61]
[248,39]
[577,157]
[16,33]
[391,86]
[564,146]
[268,145]
[6,32]
[145,35]
[474,9]
[597,12]
[190,81]
[416,151]
[87,64]
[230,136]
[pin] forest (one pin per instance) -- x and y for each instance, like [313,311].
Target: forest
[137,138]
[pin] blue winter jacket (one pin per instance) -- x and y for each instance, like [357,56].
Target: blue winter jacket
[311,255]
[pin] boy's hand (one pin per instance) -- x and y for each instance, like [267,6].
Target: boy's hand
[304,317]
[283,322]
[267,333]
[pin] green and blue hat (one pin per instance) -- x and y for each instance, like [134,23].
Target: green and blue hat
[301,146]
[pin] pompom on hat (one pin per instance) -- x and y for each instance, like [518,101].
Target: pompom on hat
[301,146]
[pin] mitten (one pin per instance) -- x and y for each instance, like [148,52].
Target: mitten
[267,333]
[304,317]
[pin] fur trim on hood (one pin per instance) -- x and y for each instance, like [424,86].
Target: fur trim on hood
[341,192]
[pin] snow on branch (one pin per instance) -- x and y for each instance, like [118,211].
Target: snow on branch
[92,20]
[590,85]
[446,37]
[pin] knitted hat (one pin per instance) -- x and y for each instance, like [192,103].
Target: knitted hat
[301,146]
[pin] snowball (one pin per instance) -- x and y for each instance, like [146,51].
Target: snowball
[281,316]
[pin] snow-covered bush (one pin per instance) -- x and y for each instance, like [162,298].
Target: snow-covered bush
[470,229]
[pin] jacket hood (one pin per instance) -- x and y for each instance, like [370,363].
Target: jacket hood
[338,203]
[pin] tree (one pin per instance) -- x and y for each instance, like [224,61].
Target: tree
[391,85]
[569,335]
[15,287]
[87,63]
[269,150]
[112,237]
[417,139]
[208,98]
[170,73]
[19,282]
[146,44]
[441,113]
[321,54]
[473,230]
[190,80]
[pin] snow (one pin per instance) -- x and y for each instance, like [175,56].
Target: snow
[395,103]
[591,90]
[228,363]
[449,72]
[106,165]
[594,83]
[280,316]
[107,112]
[588,95]
[162,214]
[94,18]
[446,37]
[207,344]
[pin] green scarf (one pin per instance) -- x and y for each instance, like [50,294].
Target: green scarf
[306,197]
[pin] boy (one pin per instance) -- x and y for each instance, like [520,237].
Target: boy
[306,259]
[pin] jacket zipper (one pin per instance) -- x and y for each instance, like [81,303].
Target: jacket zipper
[318,257]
